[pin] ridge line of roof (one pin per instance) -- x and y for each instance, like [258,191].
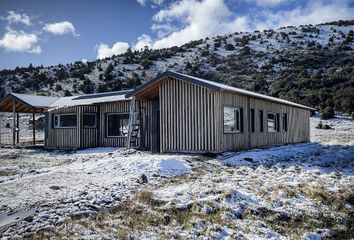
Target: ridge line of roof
[215,86]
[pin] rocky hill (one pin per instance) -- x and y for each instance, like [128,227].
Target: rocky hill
[309,64]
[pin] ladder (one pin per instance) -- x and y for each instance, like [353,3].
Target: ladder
[133,126]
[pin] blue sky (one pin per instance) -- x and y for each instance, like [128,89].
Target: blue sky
[53,32]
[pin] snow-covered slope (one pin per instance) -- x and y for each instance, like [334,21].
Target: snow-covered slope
[276,62]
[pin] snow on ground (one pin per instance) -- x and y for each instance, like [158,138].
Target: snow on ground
[341,132]
[293,191]
[33,173]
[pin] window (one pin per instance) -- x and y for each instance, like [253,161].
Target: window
[232,120]
[285,122]
[90,120]
[252,120]
[67,120]
[261,128]
[117,125]
[272,122]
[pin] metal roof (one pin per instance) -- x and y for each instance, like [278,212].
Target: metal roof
[89,99]
[214,86]
[25,103]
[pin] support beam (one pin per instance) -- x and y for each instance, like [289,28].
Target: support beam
[141,130]
[18,127]
[34,127]
[14,123]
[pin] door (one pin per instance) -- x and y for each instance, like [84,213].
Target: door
[155,127]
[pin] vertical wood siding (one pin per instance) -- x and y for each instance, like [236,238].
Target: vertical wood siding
[187,116]
[63,137]
[81,137]
[297,119]
[298,123]
[233,141]
[113,107]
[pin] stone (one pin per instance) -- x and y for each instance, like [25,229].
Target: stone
[54,187]
[248,159]
[166,219]
[28,219]
[143,179]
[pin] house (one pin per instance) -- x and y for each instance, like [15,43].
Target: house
[175,113]
[182,113]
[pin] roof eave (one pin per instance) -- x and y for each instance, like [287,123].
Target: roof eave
[174,75]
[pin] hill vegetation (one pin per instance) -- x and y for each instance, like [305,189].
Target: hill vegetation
[308,64]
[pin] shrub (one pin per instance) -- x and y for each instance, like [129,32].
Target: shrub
[319,125]
[229,47]
[58,88]
[67,93]
[327,113]
[326,126]
[145,63]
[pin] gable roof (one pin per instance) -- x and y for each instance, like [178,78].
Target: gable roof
[214,86]
[89,99]
[26,103]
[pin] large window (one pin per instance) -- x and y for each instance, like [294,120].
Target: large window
[67,120]
[90,120]
[232,120]
[117,125]
[272,122]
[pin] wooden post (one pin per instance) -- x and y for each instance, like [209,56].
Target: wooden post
[18,127]
[1,127]
[34,127]
[14,123]
[141,130]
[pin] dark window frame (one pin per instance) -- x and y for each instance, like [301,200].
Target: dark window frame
[285,122]
[87,126]
[252,120]
[275,129]
[58,116]
[238,121]
[261,121]
[121,116]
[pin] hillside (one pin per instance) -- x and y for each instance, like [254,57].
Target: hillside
[309,64]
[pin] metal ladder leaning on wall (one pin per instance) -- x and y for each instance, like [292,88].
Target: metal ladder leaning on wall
[133,126]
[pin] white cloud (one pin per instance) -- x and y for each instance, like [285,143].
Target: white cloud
[14,17]
[143,40]
[313,12]
[153,2]
[267,3]
[187,20]
[61,28]
[103,50]
[199,19]
[19,41]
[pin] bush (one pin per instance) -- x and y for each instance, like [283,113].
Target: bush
[319,125]
[145,63]
[67,93]
[58,88]
[229,47]
[327,113]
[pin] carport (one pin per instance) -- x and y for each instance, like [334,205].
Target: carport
[22,103]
